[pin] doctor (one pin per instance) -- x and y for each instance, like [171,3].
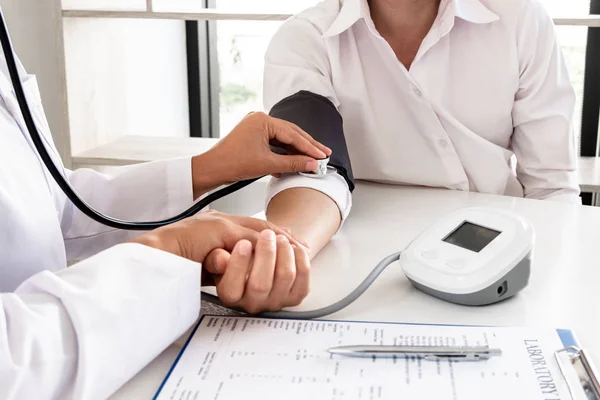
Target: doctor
[81,332]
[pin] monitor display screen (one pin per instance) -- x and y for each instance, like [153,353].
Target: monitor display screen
[471,237]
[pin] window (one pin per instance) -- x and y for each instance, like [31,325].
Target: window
[573,40]
[567,8]
[225,42]
[591,92]
[236,52]
[240,48]
[241,45]
[581,46]
[265,6]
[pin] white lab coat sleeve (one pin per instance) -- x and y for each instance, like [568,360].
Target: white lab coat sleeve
[142,192]
[83,332]
[544,140]
[297,60]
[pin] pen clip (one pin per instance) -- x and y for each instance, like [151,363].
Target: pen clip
[481,354]
[457,357]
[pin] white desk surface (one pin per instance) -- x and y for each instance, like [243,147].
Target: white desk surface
[563,291]
[589,174]
[138,149]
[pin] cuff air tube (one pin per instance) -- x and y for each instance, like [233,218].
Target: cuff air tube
[317,116]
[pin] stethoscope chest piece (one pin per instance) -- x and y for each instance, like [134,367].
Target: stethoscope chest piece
[322,170]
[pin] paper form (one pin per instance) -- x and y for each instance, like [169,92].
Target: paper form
[232,358]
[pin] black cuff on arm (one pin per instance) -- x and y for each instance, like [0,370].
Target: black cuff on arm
[317,116]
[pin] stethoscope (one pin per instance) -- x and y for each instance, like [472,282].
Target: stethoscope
[146,226]
[60,179]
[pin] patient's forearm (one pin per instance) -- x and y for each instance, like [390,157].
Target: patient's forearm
[311,216]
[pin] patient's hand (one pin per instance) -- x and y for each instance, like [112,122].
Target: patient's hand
[275,275]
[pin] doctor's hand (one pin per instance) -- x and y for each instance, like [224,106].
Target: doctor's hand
[245,153]
[196,237]
[266,277]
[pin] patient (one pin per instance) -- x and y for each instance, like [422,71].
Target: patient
[469,95]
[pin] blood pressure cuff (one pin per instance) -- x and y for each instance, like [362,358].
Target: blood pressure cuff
[317,116]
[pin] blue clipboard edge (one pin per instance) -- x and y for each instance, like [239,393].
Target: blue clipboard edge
[567,337]
[189,339]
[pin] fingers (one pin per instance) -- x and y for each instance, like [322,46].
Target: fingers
[260,281]
[214,266]
[285,275]
[234,232]
[277,276]
[216,262]
[196,238]
[301,286]
[285,133]
[232,285]
[289,164]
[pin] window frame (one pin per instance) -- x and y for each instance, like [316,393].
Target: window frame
[203,76]
[203,68]
[204,86]
[590,116]
[590,113]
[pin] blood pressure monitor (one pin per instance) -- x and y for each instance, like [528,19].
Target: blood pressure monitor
[475,256]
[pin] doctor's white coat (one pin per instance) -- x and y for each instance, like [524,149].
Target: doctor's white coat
[81,332]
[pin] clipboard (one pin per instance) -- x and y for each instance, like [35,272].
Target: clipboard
[580,375]
[577,368]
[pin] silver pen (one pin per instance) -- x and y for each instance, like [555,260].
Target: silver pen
[432,353]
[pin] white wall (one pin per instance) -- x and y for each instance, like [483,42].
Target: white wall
[34,26]
[125,77]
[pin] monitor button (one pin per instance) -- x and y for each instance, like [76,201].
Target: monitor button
[430,255]
[456,264]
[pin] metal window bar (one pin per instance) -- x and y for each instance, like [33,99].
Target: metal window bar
[590,115]
[203,77]
[200,15]
[214,14]
[591,90]
[194,76]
